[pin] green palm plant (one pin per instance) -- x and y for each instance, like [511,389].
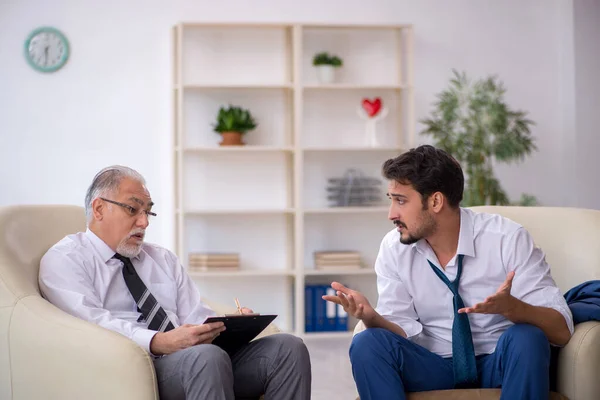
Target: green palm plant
[472,122]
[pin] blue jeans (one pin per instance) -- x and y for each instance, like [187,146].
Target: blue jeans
[386,365]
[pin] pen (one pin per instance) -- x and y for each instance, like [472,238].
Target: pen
[237,303]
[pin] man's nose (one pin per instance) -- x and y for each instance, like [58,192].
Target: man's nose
[142,220]
[392,213]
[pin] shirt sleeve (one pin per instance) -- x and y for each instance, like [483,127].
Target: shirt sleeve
[533,282]
[395,303]
[190,308]
[65,283]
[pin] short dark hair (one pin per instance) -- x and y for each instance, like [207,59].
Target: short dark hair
[428,170]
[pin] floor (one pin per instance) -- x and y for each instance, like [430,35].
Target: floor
[331,370]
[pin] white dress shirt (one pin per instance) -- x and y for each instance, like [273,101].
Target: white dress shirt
[80,276]
[415,298]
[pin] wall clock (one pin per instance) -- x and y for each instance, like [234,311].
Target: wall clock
[46,49]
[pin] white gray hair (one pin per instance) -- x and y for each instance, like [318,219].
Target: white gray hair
[106,182]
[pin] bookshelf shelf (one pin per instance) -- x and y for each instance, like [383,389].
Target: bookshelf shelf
[349,149]
[241,86]
[350,86]
[267,200]
[217,211]
[345,271]
[347,210]
[233,149]
[240,273]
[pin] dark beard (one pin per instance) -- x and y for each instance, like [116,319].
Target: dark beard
[409,240]
[427,229]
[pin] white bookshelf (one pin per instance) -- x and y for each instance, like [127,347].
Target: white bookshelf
[267,200]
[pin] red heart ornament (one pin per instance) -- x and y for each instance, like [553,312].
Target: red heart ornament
[372,107]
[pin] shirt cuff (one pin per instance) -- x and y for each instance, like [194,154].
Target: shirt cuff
[409,326]
[567,315]
[143,337]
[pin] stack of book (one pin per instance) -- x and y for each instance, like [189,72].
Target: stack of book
[214,261]
[337,259]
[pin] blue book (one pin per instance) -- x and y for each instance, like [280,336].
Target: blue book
[330,311]
[341,319]
[309,309]
[320,308]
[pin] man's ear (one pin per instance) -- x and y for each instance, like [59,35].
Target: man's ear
[98,209]
[436,201]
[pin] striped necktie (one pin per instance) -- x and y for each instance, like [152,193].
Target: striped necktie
[154,314]
[463,353]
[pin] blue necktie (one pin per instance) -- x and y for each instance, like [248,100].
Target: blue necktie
[463,354]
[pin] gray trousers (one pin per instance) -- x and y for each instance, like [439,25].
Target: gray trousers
[276,366]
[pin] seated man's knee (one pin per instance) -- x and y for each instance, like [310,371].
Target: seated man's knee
[367,344]
[527,338]
[292,346]
[206,356]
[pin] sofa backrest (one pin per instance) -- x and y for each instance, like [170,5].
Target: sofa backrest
[26,233]
[570,238]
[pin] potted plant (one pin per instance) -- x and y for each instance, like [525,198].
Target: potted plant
[232,123]
[472,122]
[326,65]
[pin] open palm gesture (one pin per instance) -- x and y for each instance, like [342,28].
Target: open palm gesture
[354,303]
[501,302]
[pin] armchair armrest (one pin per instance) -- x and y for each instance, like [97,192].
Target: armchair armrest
[57,356]
[360,326]
[579,363]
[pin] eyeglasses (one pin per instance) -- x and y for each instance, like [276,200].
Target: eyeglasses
[132,211]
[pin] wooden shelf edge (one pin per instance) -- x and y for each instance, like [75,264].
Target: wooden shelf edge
[241,273]
[240,86]
[239,212]
[287,25]
[321,272]
[361,148]
[351,86]
[245,148]
[347,210]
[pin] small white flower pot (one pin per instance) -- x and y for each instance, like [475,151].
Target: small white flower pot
[325,73]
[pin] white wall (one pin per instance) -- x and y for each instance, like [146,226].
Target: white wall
[587,88]
[111,103]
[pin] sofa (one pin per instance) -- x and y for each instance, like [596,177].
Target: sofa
[570,238]
[46,353]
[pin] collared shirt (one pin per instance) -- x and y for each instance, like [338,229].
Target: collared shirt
[80,276]
[415,298]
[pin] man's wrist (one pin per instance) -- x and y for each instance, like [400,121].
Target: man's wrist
[156,345]
[518,311]
[374,322]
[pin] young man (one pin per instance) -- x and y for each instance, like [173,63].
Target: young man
[109,276]
[465,299]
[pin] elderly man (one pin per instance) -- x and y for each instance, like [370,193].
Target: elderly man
[109,276]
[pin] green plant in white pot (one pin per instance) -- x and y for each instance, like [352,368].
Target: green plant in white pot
[326,65]
[472,122]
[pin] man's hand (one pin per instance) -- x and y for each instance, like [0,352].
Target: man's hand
[354,303]
[502,302]
[550,321]
[247,310]
[184,336]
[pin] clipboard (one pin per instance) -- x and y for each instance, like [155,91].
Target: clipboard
[239,330]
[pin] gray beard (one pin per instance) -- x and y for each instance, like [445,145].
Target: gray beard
[129,250]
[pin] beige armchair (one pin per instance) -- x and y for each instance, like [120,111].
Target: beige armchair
[44,352]
[571,240]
